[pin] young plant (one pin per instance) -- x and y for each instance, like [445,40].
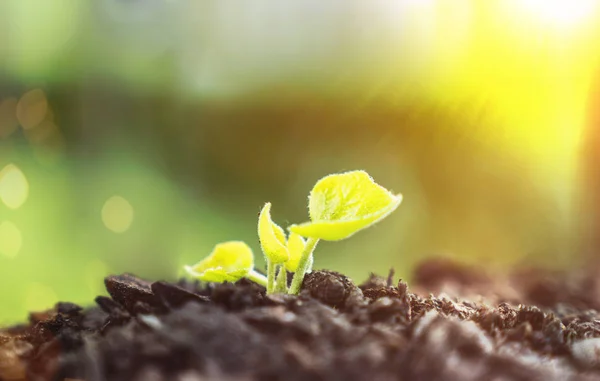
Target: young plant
[340,205]
[228,262]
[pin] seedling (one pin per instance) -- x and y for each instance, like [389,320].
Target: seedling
[339,205]
[228,262]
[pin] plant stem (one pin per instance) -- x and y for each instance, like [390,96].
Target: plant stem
[271,270]
[257,278]
[281,282]
[303,265]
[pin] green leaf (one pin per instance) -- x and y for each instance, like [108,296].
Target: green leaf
[228,262]
[342,204]
[272,237]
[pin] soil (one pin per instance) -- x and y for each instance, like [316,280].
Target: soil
[531,325]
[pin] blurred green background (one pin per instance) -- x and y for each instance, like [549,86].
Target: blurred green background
[136,134]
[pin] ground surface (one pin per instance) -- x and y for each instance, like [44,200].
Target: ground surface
[530,326]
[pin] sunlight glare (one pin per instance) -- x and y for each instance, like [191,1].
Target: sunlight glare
[561,13]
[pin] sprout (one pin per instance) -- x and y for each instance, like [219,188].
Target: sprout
[228,262]
[339,206]
[274,246]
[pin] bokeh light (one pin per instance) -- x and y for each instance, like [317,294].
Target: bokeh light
[117,214]
[10,239]
[32,108]
[14,187]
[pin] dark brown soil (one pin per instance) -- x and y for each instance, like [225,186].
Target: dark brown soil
[532,325]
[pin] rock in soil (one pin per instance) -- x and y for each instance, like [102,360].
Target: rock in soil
[533,325]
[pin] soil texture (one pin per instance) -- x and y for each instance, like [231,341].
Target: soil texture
[454,323]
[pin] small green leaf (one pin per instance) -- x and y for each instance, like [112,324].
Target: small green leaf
[295,245]
[272,237]
[228,262]
[343,204]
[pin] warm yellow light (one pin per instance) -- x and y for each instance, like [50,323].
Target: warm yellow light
[561,13]
[14,187]
[10,239]
[117,214]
